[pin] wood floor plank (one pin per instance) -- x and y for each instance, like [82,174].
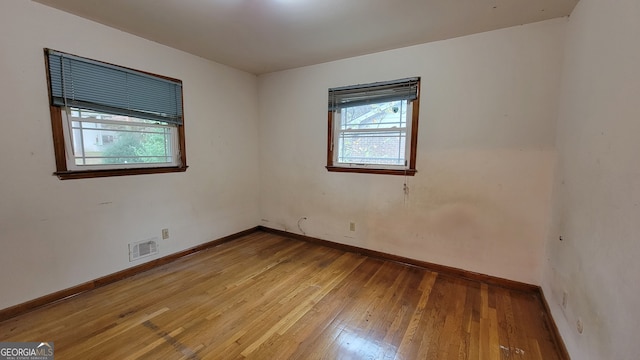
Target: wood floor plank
[265,296]
[410,343]
[330,315]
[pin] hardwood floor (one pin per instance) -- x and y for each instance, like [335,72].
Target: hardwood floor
[268,297]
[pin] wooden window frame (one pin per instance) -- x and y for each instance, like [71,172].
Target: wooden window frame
[57,123]
[409,171]
[63,173]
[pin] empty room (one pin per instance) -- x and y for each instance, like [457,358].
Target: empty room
[306,179]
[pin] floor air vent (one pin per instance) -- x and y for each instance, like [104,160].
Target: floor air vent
[141,249]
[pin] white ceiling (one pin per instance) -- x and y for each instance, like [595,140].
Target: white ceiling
[261,36]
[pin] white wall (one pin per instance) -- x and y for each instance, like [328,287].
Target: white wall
[55,234]
[481,197]
[597,184]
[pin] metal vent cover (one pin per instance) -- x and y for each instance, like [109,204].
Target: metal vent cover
[142,249]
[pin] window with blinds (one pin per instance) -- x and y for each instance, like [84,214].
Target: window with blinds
[373,127]
[111,120]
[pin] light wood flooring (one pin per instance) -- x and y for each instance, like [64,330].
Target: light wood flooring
[264,296]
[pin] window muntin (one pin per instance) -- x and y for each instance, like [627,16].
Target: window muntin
[373,127]
[99,140]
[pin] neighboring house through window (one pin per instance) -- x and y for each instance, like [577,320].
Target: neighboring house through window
[373,127]
[109,120]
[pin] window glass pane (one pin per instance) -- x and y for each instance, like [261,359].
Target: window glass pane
[373,147]
[385,115]
[104,139]
[77,145]
[373,134]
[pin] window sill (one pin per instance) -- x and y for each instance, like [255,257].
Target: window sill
[407,172]
[87,174]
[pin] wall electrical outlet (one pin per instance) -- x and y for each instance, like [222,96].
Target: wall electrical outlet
[352,226]
[165,234]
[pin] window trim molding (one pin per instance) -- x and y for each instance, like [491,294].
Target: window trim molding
[409,171]
[57,124]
